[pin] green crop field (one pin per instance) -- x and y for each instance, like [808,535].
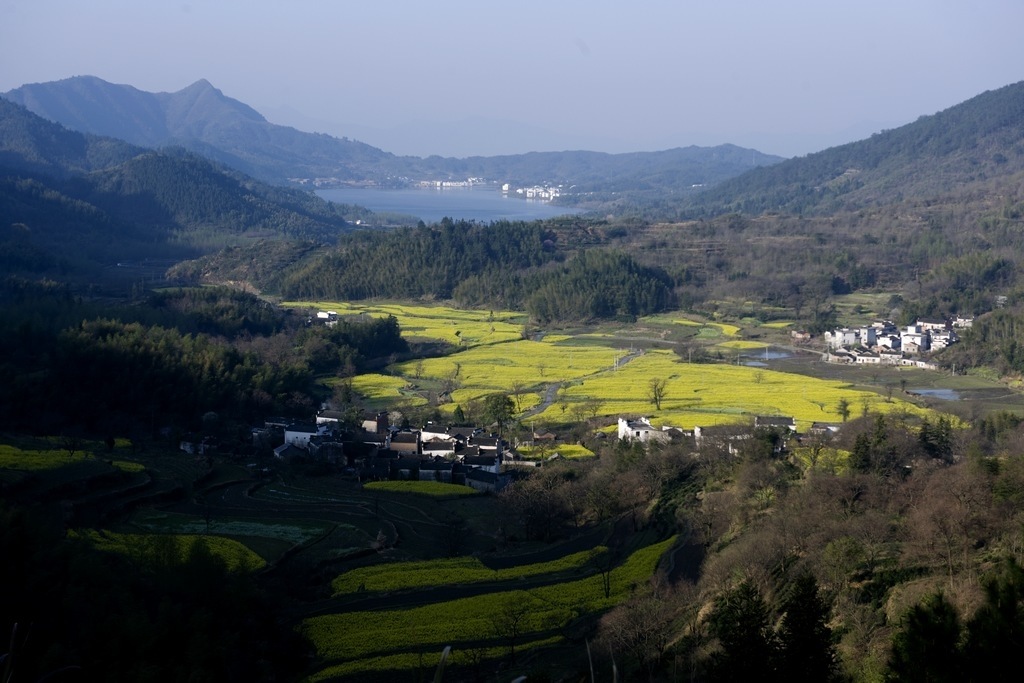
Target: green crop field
[235,555]
[295,531]
[15,458]
[350,637]
[412,661]
[742,344]
[383,391]
[497,367]
[455,571]
[434,489]
[33,459]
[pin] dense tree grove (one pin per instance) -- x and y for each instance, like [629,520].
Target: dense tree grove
[166,361]
[598,285]
[501,265]
[426,262]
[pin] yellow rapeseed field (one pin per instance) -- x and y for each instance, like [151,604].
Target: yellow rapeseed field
[742,344]
[497,367]
[704,395]
[495,358]
[453,325]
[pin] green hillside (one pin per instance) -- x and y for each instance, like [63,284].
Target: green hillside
[969,144]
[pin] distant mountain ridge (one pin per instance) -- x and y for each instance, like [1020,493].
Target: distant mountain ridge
[199,118]
[202,119]
[79,203]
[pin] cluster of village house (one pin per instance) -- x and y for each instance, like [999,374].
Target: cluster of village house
[545,192]
[462,455]
[727,436]
[378,451]
[884,343]
[459,455]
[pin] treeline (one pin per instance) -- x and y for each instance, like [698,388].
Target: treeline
[167,361]
[108,368]
[212,310]
[521,266]
[419,262]
[198,200]
[937,641]
[592,285]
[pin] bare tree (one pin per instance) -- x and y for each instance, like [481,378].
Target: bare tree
[951,517]
[509,621]
[640,629]
[656,391]
[451,382]
[516,391]
[72,443]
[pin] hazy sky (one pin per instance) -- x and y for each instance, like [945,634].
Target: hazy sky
[456,78]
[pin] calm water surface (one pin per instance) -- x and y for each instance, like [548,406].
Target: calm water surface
[473,204]
[942,394]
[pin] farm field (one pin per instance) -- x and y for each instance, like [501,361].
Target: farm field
[706,394]
[449,572]
[293,531]
[47,457]
[383,576]
[455,326]
[351,644]
[235,555]
[563,450]
[602,369]
[434,489]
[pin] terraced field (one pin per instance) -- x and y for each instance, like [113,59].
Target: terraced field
[236,556]
[352,644]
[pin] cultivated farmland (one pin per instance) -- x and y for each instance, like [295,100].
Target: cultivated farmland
[352,643]
[607,373]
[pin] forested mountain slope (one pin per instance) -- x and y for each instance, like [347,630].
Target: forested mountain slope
[31,144]
[73,203]
[966,145]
